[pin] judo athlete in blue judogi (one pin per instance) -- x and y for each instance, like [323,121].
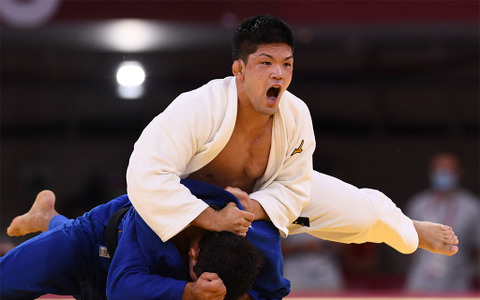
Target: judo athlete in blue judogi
[71,257]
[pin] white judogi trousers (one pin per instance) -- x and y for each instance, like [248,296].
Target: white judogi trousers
[343,213]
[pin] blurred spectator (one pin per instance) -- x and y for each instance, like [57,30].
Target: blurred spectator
[311,264]
[446,202]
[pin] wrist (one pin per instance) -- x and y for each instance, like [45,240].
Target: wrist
[206,220]
[258,211]
[188,292]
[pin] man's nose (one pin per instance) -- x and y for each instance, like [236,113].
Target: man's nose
[277,72]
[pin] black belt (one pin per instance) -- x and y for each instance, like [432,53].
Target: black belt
[111,231]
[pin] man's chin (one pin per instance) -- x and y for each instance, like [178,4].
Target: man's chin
[269,112]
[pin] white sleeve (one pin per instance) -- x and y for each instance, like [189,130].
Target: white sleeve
[159,157]
[341,212]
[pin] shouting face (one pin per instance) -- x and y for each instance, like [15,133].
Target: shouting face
[263,79]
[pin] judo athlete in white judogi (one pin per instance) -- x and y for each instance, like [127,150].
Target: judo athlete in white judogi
[248,134]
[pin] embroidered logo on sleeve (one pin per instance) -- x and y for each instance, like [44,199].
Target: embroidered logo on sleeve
[298,150]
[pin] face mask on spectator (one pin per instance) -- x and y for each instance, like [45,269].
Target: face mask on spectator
[443,180]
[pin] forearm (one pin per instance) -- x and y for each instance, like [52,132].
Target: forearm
[166,205]
[257,209]
[207,220]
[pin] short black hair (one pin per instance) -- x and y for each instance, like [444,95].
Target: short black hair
[255,31]
[233,258]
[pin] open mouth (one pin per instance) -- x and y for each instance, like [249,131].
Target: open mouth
[272,93]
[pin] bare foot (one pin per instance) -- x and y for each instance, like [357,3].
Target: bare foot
[436,238]
[37,218]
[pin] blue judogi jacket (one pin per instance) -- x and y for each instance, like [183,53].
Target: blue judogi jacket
[145,267]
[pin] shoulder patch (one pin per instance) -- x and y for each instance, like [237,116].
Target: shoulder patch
[103,252]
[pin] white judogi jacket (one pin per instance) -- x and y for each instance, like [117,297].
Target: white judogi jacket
[191,132]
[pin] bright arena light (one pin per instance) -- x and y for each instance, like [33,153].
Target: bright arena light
[130,35]
[130,78]
[130,73]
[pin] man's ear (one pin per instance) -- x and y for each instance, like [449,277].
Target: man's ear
[193,253]
[193,257]
[238,68]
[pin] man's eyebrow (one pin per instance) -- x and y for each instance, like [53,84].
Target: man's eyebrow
[271,57]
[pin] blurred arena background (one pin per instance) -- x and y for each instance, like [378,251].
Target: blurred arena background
[387,82]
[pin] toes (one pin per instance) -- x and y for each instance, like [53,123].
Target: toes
[451,239]
[455,240]
[12,230]
[451,250]
[447,234]
[447,230]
